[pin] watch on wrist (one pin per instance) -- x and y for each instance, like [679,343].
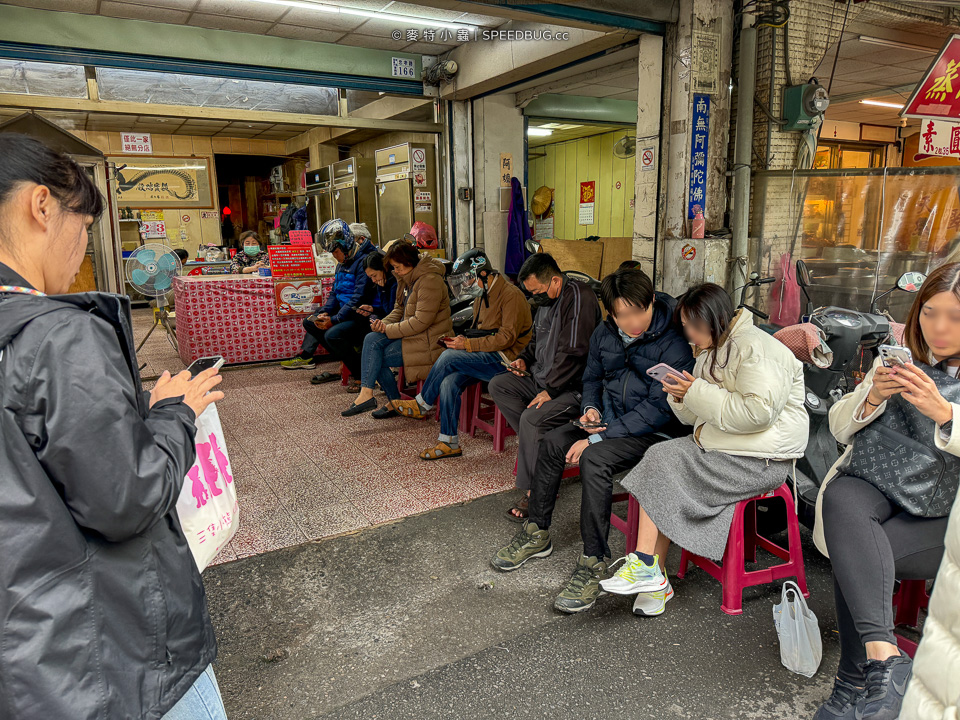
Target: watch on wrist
[947,427]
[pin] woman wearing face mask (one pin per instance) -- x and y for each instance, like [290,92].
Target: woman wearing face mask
[104,612]
[252,257]
[744,400]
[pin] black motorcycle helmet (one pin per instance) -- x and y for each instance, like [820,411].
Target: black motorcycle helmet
[470,275]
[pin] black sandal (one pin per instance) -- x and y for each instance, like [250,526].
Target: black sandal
[521,507]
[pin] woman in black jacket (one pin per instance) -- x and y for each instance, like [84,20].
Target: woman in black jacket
[102,608]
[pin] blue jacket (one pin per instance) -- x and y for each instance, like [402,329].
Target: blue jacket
[351,286]
[384,298]
[616,383]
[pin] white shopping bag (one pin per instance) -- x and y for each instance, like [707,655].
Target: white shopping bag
[207,505]
[801,648]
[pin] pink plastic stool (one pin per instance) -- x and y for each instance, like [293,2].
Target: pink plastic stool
[568,472]
[909,600]
[742,545]
[408,393]
[486,416]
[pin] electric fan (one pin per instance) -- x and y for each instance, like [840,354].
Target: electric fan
[150,270]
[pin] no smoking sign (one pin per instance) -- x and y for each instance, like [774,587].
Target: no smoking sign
[647,159]
[689,252]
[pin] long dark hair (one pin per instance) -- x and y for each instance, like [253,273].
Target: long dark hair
[25,159]
[710,305]
[945,278]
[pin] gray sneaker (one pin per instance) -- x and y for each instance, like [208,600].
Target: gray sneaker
[584,587]
[530,542]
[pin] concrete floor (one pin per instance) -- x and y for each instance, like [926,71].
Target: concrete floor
[408,620]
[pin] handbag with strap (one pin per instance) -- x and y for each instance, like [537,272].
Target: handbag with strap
[897,454]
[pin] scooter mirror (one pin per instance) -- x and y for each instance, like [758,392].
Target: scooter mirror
[533,246]
[803,275]
[911,281]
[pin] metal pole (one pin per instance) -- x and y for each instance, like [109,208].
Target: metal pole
[746,86]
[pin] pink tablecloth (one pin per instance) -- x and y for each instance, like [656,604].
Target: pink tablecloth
[234,316]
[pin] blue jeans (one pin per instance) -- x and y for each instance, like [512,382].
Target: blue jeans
[202,701]
[380,353]
[450,374]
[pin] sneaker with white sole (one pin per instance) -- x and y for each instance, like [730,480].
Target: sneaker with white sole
[649,604]
[635,577]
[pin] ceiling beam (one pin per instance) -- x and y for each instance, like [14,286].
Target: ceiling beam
[37,102]
[558,86]
[486,66]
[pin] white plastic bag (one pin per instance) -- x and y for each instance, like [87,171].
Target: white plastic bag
[801,648]
[207,505]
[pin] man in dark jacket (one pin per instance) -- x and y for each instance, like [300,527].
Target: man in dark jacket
[103,608]
[546,392]
[625,411]
[336,327]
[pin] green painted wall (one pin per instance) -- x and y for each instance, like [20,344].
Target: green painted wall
[569,163]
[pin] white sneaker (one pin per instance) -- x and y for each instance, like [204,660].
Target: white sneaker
[635,577]
[649,604]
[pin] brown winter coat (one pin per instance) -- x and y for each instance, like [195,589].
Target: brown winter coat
[421,317]
[507,312]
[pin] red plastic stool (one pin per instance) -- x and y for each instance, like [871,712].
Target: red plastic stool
[486,416]
[909,600]
[742,545]
[568,472]
[344,374]
[630,526]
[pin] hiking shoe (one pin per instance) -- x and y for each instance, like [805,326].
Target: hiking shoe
[636,577]
[298,363]
[530,542]
[649,604]
[842,703]
[584,587]
[886,683]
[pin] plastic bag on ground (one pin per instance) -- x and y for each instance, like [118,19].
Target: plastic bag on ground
[801,648]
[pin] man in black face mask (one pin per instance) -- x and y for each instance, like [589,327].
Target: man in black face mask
[543,390]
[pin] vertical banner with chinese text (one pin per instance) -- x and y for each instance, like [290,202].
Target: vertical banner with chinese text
[697,197]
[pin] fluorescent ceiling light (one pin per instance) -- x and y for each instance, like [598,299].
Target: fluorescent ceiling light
[413,22]
[538,132]
[880,103]
[900,45]
[568,127]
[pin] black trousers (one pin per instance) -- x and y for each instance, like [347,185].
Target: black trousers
[343,341]
[598,464]
[512,394]
[872,542]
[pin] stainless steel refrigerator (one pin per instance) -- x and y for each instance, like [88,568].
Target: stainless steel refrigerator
[319,198]
[406,189]
[354,193]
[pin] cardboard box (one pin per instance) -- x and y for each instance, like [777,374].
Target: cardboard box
[441,253]
[597,258]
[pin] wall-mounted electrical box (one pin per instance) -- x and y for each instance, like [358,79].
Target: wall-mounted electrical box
[803,104]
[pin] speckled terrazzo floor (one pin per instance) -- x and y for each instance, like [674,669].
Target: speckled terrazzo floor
[304,473]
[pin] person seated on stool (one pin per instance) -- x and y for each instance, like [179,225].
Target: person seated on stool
[870,539]
[409,336]
[252,257]
[384,295]
[744,400]
[546,391]
[639,333]
[336,326]
[500,331]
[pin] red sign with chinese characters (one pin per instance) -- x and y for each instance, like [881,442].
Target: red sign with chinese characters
[938,94]
[292,261]
[588,191]
[301,237]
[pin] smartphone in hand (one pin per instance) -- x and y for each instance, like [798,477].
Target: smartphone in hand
[205,363]
[662,370]
[588,425]
[895,355]
[518,371]
[442,342]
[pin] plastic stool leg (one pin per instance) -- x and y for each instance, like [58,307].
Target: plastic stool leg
[633,524]
[684,563]
[733,569]
[750,531]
